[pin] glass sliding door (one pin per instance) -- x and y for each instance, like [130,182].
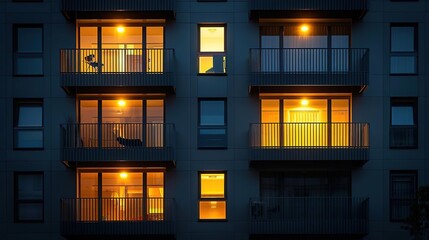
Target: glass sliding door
[270,119]
[120,195]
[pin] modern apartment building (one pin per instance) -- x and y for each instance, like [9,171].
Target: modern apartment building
[205,119]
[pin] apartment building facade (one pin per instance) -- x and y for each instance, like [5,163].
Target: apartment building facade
[205,119]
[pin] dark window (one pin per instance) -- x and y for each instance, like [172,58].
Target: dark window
[212,49]
[28,50]
[29,197]
[212,123]
[212,195]
[403,190]
[403,48]
[403,123]
[28,123]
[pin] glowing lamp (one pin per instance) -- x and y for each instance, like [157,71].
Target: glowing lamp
[121,103]
[304,102]
[123,175]
[304,28]
[120,29]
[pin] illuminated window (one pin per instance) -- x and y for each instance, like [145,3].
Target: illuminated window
[28,50]
[126,194]
[403,48]
[212,204]
[212,55]
[28,123]
[121,48]
[293,122]
[403,123]
[29,197]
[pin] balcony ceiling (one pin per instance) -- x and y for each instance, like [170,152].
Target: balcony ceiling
[332,9]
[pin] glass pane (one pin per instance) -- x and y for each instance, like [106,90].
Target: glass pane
[88,37]
[122,49]
[212,185]
[122,185]
[155,192]
[88,123]
[212,64]
[29,139]
[305,110]
[88,185]
[30,211]
[122,119]
[305,122]
[402,39]
[403,64]
[212,113]
[340,110]
[270,111]
[29,65]
[212,39]
[30,40]
[154,37]
[340,119]
[340,41]
[212,210]
[30,187]
[402,115]
[30,116]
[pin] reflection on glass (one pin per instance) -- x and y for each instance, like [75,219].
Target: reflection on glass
[212,113]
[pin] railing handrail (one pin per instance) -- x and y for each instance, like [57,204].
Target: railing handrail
[261,199]
[315,123]
[119,49]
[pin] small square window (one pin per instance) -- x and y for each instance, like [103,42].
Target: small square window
[29,197]
[28,124]
[403,123]
[28,50]
[403,191]
[212,204]
[212,123]
[212,49]
[403,49]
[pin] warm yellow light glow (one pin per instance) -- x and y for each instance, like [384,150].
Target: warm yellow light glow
[123,175]
[120,29]
[121,103]
[304,28]
[304,102]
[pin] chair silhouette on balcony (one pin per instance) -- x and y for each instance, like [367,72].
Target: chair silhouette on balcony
[129,142]
[90,60]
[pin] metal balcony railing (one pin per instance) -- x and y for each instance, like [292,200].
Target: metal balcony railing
[309,66]
[118,141]
[403,136]
[309,215]
[117,67]
[309,141]
[117,216]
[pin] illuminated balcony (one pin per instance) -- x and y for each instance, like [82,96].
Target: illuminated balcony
[118,217]
[117,70]
[114,9]
[344,9]
[124,144]
[338,70]
[309,144]
[309,216]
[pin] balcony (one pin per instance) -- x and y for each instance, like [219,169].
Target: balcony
[309,144]
[403,136]
[114,9]
[113,144]
[343,9]
[117,70]
[309,216]
[118,217]
[339,70]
